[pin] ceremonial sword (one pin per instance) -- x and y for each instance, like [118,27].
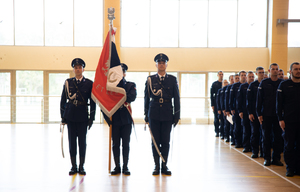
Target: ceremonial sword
[153,140]
[62,127]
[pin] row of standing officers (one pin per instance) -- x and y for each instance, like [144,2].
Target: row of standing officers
[264,114]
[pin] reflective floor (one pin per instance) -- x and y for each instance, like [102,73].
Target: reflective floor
[31,160]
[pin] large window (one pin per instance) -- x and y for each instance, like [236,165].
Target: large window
[139,78]
[193,101]
[6,23]
[294,28]
[29,96]
[56,82]
[190,23]
[5,98]
[51,22]
[29,22]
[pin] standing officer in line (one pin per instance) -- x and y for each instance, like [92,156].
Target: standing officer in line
[256,136]
[287,108]
[160,89]
[223,108]
[122,125]
[243,113]
[266,112]
[281,74]
[238,131]
[227,107]
[74,112]
[213,93]
[220,102]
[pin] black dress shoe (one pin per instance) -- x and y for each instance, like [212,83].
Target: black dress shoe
[73,171]
[254,156]
[277,162]
[261,154]
[156,170]
[226,139]
[232,143]
[117,170]
[246,150]
[222,137]
[297,172]
[217,135]
[126,171]
[82,171]
[238,146]
[166,171]
[290,174]
[267,163]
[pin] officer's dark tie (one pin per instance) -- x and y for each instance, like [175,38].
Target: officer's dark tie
[162,79]
[78,81]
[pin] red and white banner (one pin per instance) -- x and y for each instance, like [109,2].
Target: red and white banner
[108,89]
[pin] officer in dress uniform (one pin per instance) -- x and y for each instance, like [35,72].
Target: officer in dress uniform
[238,131]
[243,113]
[160,89]
[266,112]
[213,93]
[227,107]
[122,125]
[76,114]
[287,108]
[220,103]
[256,136]
[227,125]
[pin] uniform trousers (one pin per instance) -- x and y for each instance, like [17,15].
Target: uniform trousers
[226,127]
[271,125]
[77,129]
[161,131]
[291,154]
[256,136]
[238,130]
[246,131]
[121,132]
[221,126]
[216,121]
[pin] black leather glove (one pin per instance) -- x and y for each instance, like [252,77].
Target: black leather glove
[90,123]
[63,121]
[175,121]
[146,119]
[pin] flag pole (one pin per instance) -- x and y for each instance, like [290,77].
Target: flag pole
[111,17]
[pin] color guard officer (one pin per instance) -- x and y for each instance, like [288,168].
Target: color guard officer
[76,114]
[160,89]
[122,125]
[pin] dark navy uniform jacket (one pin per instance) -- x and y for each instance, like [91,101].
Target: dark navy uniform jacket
[213,92]
[227,98]
[241,99]
[157,106]
[266,97]
[220,99]
[233,96]
[287,101]
[223,100]
[71,111]
[251,97]
[122,115]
